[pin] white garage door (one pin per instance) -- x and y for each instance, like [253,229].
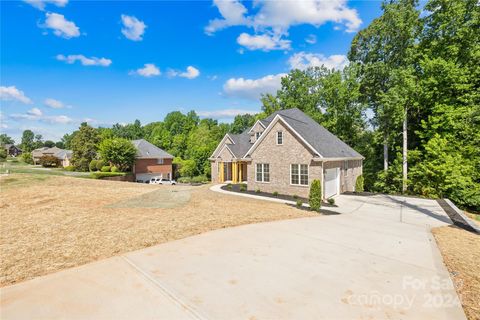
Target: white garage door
[331,182]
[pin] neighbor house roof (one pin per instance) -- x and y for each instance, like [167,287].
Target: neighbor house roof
[147,150]
[55,151]
[62,154]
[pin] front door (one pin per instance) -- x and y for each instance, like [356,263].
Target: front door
[227,171]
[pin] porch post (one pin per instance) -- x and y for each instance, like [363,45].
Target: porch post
[221,172]
[240,176]
[234,172]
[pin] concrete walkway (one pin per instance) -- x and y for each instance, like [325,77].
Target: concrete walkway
[375,260]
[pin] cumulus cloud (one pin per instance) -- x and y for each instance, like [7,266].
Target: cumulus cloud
[61,27]
[40,4]
[252,88]
[55,104]
[303,60]
[263,42]
[13,94]
[133,28]
[92,61]
[276,17]
[190,73]
[36,114]
[148,70]
[225,113]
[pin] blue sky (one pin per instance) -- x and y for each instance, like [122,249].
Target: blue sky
[64,62]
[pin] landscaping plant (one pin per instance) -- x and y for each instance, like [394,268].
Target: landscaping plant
[275,193]
[315,195]
[359,184]
[299,203]
[331,201]
[93,165]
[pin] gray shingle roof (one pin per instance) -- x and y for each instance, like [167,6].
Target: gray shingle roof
[147,150]
[322,140]
[242,143]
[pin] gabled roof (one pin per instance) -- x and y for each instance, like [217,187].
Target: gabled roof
[62,154]
[241,144]
[146,150]
[325,143]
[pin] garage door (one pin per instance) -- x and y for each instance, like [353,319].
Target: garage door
[331,182]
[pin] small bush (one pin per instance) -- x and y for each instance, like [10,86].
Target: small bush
[100,164]
[299,203]
[200,179]
[257,190]
[184,180]
[315,195]
[49,161]
[100,175]
[229,186]
[115,169]
[27,157]
[3,154]
[243,187]
[331,201]
[275,193]
[106,169]
[69,168]
[295,197]
[359,184]
[93,165]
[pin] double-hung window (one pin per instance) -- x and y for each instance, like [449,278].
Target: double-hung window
[262,172]
[257,135]
[160,161]
[279,137]
[299,174]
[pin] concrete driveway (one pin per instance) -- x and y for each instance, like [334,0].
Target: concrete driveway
[375,260]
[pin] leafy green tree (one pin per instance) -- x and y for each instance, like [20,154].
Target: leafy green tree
[28,141]
[3,154]
[186,168]
[5,139]
[27,157]
[60,144]
[38,143]
[118,152]
[49,143]
[84,146]
[242,122]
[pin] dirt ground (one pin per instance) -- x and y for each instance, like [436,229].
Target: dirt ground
[49,223]
[461,253]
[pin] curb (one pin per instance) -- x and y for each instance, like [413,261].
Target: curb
[457,216]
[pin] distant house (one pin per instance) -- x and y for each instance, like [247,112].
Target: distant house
[12,150]
[284,153]
[151,161]
[61,154]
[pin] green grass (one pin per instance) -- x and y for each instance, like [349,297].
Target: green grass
[21,167]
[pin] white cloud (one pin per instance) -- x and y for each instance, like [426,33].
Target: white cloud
[36,114]
[133,28]
[226,113]
[40,4]
[190,73]
[92,61]
[56,104]
[60,26]
[13,94]
[303,60]
[276,17]
[311,39]
[252,88]
[148,70]
[263,42]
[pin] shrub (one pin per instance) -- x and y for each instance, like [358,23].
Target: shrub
[100,164]
[331,201]
[229,186]
[93,165]
[115,169]
[315,195]
[27,157]
[184,180]
[257,190]
[295,197]
[299,203]
[359,184]
[3,154]
[100,175]
[200,179]
[49,161]
[69,168]
[105,169]
[243,187]
[275,193]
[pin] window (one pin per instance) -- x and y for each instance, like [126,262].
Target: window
[160,161]
[345,164]
[279,138]
[299,174]
[257,135]
[262,173]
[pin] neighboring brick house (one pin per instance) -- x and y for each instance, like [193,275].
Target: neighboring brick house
[284,153]
[12,150]
[151,162]
[61,154]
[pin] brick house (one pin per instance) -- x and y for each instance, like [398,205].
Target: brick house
[151,161]
[64,156]
[12,150]
[284,153]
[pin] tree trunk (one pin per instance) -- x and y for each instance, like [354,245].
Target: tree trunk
[405,151]
[385,152]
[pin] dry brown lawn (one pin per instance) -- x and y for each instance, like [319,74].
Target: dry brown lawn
[50,223]
[461,254]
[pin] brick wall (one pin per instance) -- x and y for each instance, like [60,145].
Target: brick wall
[152,166]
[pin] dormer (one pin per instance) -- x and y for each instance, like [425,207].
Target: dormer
[256,131]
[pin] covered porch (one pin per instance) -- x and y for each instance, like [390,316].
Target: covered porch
[233,171]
